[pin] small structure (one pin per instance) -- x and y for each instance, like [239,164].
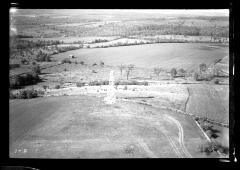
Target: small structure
[71,56]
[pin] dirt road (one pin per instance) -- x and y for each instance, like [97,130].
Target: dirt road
[181,135]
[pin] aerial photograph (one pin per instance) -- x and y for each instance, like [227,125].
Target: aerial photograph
[118,83]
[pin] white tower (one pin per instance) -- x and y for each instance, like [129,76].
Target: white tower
[111,97]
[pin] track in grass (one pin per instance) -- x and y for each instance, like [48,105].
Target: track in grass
[181,134]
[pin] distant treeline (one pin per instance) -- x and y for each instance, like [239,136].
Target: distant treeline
[211,18]
[20,44]
[181,30]
[23,36]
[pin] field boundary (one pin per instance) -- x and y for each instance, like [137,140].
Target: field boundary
[182,112]
[181,136]
[185,106]
[206,136]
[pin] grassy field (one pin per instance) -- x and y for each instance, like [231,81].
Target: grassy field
[206,101]
[92,129]
[144,57]
[166,55]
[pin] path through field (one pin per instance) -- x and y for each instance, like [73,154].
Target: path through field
[181,135]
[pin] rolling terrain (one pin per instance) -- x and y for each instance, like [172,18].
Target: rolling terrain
[73,52]
[166,55]
[92,129]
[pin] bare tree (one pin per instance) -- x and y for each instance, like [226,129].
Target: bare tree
[101,63]
[129,69]
[213,33]
[182,72]
[216,71]
[157,71]
[195,76]
[202,67]
[121,68]
[173,72]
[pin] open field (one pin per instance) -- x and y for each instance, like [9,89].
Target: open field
[224,64]
[35,137]
[166,55]
[92,129]
[47,132]
[206,101]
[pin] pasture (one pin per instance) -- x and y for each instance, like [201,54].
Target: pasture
[92,129]
[210,101]
[165,55]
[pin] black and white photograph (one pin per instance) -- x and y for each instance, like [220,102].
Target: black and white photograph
[118,83]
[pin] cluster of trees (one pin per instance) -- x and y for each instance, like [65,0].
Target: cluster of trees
[17,81]
[106,82]
[174,72]
[182,29]
[23,36]
[127,68]
[42,56]
[26,94]
[202,74]
[39,50]
[66,48]
[207,74]
[123,44]
[157,71]
[99,40]
[21,44]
